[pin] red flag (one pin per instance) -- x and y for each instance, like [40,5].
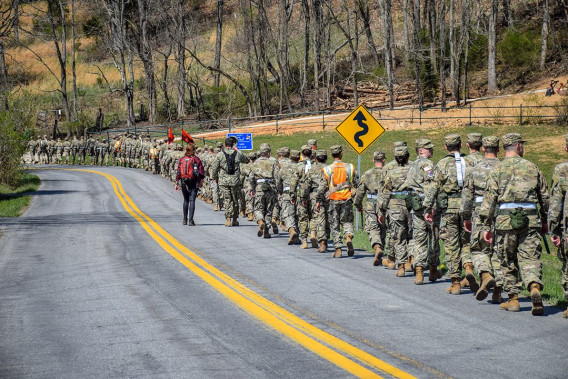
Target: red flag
[170,136]
[186,137]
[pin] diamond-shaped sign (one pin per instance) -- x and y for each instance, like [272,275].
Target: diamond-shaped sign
[360,129]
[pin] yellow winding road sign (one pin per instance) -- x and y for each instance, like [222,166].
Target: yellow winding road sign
[360,129]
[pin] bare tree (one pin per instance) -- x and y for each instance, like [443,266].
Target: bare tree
[7,18]
[544,33]
[492,48]
[73,60]
[217,64]
[386,7]
[366,17]
[443,53]
[178,36]
[145,53]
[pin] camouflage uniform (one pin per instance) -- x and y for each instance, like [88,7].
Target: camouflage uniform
[483,256]
[229,184]
[557,219]
[261,179]
[43,146]
[32,145]
[283,179]
[74,150]
[301,192]
[514,189]
[249,200]
[369,188]
[58,151]
[66,150]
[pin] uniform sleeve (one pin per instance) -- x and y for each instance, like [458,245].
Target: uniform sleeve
[322,186]
[431,189]
[555,210]
[215,166]
[487,209]
[543,198]
[178,171]
[243,158]
[467,198]
[360,192]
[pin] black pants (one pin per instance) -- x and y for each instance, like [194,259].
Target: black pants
[189,190]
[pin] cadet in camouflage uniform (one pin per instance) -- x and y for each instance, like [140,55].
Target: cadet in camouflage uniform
[43,146]
[276,218]
[369,188]
[58,151]
[317,185]
[32,145]
[51,151]
[249,200]
[286,170]
[420,177]
[392,199]
[557,219]
[91,149]
[340,177]
[514,190]
[445,192]
[74,149]
[483,256]
[229,182]
[261,179]
[82,151]
[215,193]
[301,190]
[66,150]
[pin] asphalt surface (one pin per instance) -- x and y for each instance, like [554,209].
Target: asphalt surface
[86,292]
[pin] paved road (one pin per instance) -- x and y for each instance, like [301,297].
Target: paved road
[86,291]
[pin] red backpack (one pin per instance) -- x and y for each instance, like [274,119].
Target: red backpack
[188,168]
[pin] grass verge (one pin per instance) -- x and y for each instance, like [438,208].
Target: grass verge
[13,201]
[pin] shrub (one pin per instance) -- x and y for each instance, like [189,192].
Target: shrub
[518,49]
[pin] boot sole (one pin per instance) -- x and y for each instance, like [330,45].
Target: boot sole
[314,242]
[378,259]
[350,250]
[473,286]
[537,305]
[260,232]
[483,291]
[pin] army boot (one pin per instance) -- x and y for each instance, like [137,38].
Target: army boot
[536,298]
[378,255]
[322,246]
[419,275]
[408,264]
[337,253]
[349,243]
[266,233]
[434,274]
[511,305]
[293,236]
[389,262]
[274,225]
[261,228]
[487,282]
[565,313]
[235,222]
[470,276]
[464,283]
[496,297]
[250,217]
[242,214]
[185,221]
[455,287]
[304,243]
[313,239]
[229,222]
[400,272]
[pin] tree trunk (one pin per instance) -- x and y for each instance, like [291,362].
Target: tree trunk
[145,54]
[453,52]
[3,79]
[443,54]
[306,13]
[386,8]
[415,5]
[73,60]
[218,40]
[365,15]
[180,56]
[507,13]
[544,34]
[16,24]
[317,19]
[405,29]
[492,51]
[432,28]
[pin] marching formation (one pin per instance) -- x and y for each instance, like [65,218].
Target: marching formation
[489,214]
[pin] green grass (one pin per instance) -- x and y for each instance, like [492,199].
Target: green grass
[14,200]
[544,147]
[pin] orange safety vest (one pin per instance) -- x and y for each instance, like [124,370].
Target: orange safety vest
[153,153]
[336,174]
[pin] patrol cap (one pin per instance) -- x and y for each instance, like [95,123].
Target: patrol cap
[511,139]
[285,150]
[265,148]
[336,149]
[377,155]
[251,155]
[401,151]
[491,141]
[452,139]
[321,153]
[295,154]
[305,147]
[217,149]
[474,138]
[220,145]
[312,142]
[398,143]
[424,143]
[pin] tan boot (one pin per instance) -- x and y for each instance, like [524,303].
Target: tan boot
[511,305]
[293,236]
[389,263]
[266,233]
[408,264]
[349,243]
[378,255]
[470,276]
[464,283]
[400,272]
[322,247]
[434,274]
[337,253]
[304,244]
[235,222]
[536,298]
[565,313]
[487,282]
[261,227]
[216,208]
[274,226]
[419,275]
[228,222]
[242,214]
[455,287]
[496,298]
[313,239]
[250,217]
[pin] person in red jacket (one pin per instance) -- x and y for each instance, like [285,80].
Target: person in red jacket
[189,176]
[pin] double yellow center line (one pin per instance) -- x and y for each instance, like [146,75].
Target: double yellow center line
[335,350]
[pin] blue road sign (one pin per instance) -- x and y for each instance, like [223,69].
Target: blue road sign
[244,140]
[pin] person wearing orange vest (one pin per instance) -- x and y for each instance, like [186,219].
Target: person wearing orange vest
[341,177]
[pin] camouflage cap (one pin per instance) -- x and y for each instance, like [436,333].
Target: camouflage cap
[321,153]
[424,143]
[474,138]
[220,145]
[295,154]
[251,155]
[305,147]
[452,139]
[285,150]
[336,149]
[217,149]
[312,142]
[491,141]
[378,155]
[265,148]
[401,151]
[398,143]
[511,139]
